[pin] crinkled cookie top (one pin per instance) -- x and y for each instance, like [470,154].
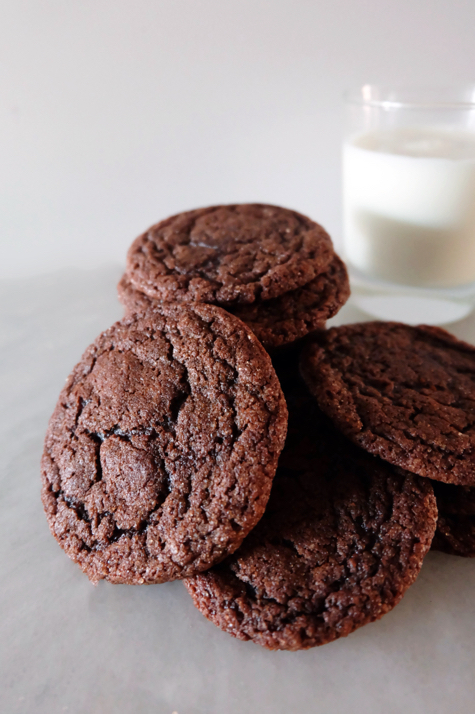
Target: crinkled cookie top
[160,454]
[228,254]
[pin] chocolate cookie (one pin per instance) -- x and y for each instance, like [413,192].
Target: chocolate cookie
[228,254]
[455,532]
[287,318]
[404,393]
[342,538]
[279,321]
[160,454]
[132,299]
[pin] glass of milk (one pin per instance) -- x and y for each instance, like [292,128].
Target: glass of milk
[409,202]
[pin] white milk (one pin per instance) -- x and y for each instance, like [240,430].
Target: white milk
[409,205]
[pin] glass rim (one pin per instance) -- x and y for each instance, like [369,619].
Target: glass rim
[457,96]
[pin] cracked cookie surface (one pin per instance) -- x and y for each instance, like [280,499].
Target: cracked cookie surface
[289,317]
[404,393]
[343,536]
[279,321]
[160,454]
[228,254]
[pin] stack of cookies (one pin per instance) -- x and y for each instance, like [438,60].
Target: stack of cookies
[343,537]
[407,395]
[296,509]
[273,268]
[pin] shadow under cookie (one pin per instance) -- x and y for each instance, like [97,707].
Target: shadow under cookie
[455,532]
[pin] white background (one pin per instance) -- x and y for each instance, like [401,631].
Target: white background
[117,113]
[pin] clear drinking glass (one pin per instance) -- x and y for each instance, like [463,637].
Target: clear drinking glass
[409,202]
